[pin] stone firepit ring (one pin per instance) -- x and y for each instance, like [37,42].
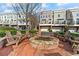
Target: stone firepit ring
[44,45]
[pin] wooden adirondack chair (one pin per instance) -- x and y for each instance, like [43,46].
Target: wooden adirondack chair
[13,39]
[2,42]
[18,37]
[10,39]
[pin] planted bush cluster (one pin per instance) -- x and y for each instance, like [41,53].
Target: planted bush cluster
[2,33]
[7,28]
[23,31]
[32,31]
[75,34]
[12,30]
[49,29]
[60,32]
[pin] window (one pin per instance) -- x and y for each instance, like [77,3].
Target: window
[60,21]
[2,17]
[50,19]
[19,16]
[46,16]
[11,16]
[7,21]
[5,16]
[77,20]
[52,16]
[49,22]
[41,16]
[58,15]
[14,20]
[49,16]
[78,14]
[43,21]
[11,19]
[70,15]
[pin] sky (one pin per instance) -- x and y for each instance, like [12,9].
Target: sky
[7,7]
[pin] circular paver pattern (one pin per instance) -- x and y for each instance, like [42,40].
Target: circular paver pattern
[44,44]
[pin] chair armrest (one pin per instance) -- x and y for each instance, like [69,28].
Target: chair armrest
[2,38]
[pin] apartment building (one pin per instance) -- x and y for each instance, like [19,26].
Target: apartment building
[13,20]
[58,19]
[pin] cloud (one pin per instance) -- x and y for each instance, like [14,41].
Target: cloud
[8,4]
[6,7]
[73,7]
[7,10]
[61,4]
[76,7]
[44,5]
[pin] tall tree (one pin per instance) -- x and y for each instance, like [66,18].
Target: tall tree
[29,10]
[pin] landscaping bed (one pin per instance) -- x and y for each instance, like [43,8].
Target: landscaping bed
[12,30]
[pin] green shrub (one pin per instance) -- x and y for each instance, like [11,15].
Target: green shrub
[2,34]
[75,34]
[23,31]
[13,32]
[7,28]
[60,32]
[32,31]
[49,29]
[4,29]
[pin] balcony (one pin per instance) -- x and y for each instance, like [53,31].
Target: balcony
[45,24]
[1,22]
[6,22]
[77,21]
[13,23]
[60,22]
[70,22]
[21,23]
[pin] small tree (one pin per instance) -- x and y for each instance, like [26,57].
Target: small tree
[30,11]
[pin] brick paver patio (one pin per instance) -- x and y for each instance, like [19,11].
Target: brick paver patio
[25,49]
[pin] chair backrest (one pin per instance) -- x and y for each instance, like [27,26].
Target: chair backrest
[18,33]
[10,37]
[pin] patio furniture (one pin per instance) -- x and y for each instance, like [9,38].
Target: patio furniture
[2,42]
[13,39]
[27,34]
[67,36]
[75,45]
